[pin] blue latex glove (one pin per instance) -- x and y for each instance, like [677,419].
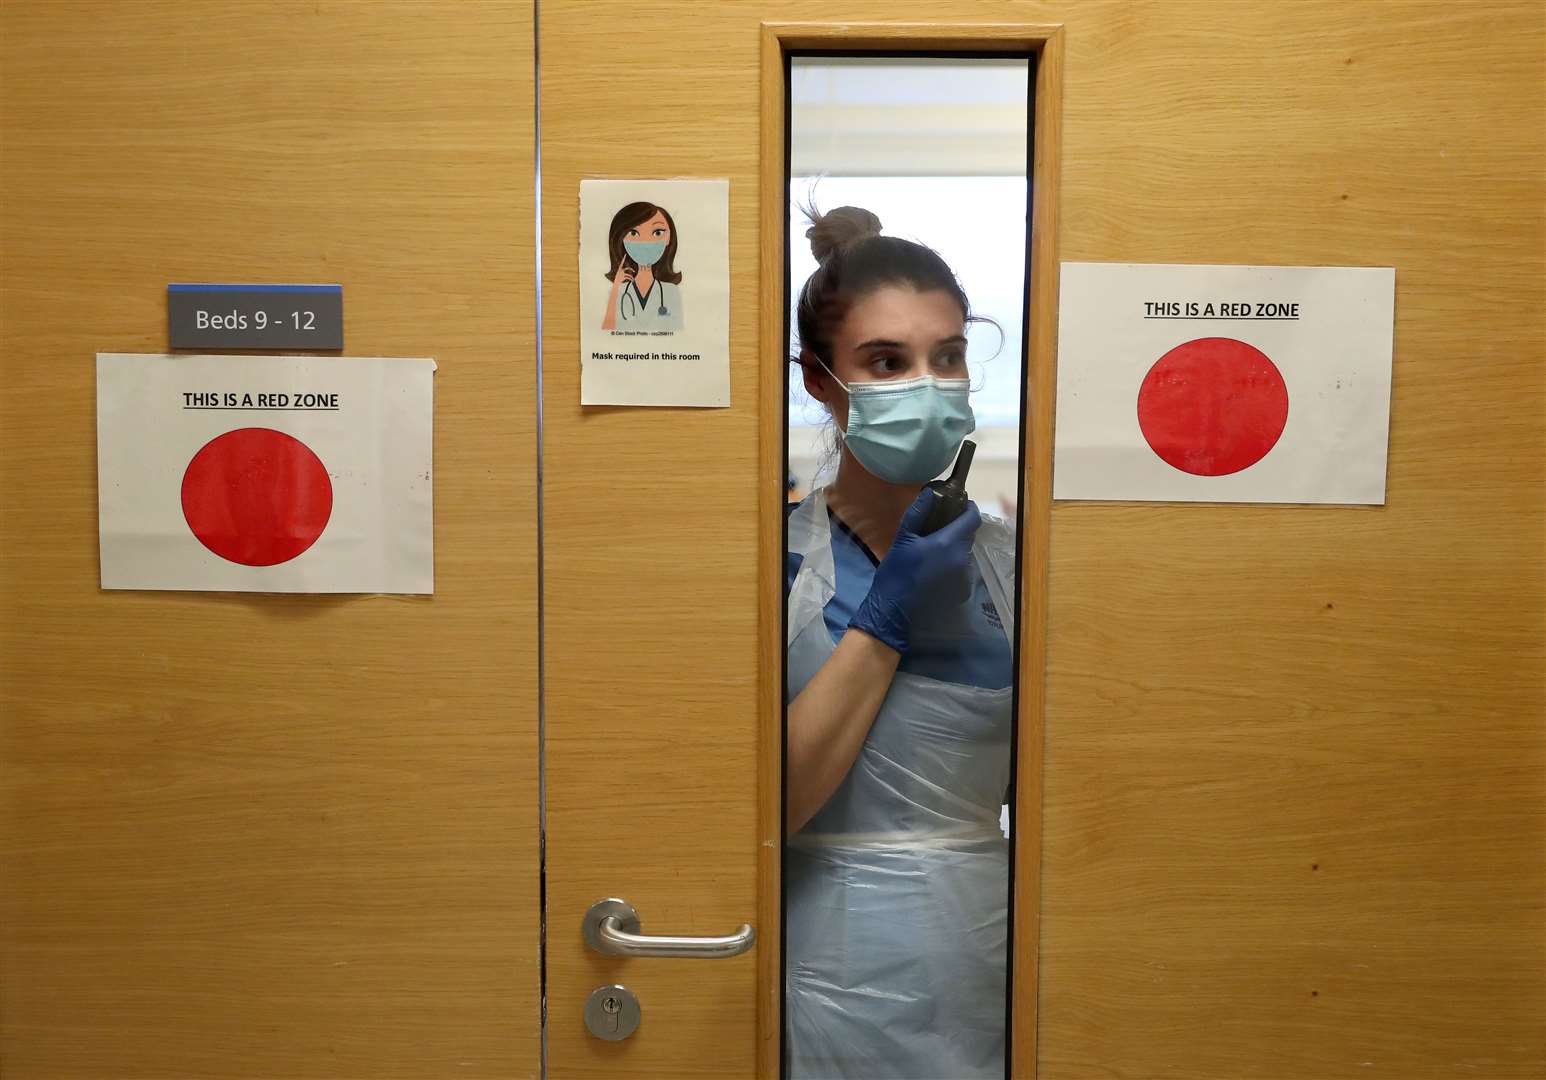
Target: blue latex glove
[916,572]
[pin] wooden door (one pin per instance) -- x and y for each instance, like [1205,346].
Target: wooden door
[662,538]
[248,835]
[1281,800]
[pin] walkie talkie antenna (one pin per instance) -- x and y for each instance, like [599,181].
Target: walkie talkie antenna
[950,493]
[957,477]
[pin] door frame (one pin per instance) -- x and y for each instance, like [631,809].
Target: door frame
[1045,42]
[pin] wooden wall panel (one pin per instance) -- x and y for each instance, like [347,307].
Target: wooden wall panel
[247,835]
[1295,788]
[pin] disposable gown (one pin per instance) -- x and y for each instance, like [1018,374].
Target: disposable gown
[896,891]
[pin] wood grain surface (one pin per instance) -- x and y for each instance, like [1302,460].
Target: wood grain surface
[248,835]
[1293,784]
[1293,801]
[1295,788]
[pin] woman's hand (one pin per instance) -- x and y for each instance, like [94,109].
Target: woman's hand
[916,572]
[621,276]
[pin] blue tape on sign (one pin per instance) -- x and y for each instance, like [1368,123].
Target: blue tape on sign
[257,288]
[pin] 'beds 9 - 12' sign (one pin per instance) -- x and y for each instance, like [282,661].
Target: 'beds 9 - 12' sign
[210,316]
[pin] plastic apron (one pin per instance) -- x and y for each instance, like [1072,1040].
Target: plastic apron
[896,891]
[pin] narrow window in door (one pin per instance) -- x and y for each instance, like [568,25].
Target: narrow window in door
[907,277]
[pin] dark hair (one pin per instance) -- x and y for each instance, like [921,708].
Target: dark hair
[855,261]
[634,214]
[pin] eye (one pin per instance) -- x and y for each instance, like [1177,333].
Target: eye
[633,232]
[951,359]
[887,363]
[660,232]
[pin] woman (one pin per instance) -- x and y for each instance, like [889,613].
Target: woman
[646,286]
[900,670]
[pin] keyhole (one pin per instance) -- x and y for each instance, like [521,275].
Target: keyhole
[612,1006]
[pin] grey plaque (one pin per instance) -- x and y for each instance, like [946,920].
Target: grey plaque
[255,316]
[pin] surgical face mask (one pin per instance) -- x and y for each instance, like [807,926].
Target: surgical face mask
[645,252]
[907,431]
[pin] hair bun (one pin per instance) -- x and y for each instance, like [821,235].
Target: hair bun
[838,228]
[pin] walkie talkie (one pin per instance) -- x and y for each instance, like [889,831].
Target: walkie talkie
[950,493]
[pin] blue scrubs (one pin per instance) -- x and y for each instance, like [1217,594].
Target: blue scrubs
[962,644]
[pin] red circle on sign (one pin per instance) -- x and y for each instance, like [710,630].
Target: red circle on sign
[1213,406]
[256,496]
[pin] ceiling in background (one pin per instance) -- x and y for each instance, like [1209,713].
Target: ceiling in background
[853,116]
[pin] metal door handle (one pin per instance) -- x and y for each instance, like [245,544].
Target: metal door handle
[612,928]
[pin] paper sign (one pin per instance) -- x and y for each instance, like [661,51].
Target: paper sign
[655,292]
[1223,383]
[265,473]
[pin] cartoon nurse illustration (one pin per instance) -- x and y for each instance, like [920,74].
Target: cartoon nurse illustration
[646,287]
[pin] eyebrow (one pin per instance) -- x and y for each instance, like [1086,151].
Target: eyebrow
[886,343]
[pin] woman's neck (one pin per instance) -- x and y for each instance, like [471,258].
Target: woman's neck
[644,279]
[870,506]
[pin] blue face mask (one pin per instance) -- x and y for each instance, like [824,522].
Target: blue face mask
[645,252]
[907,431]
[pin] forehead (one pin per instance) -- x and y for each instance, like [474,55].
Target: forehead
[901,313]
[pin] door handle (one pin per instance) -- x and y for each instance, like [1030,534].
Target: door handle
[612,928]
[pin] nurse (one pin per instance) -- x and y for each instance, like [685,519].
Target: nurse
[899,688]
[646,286]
